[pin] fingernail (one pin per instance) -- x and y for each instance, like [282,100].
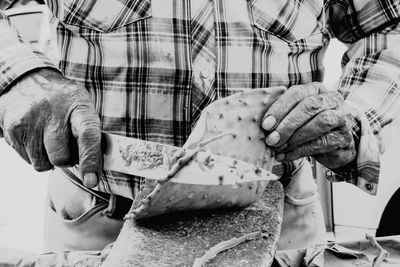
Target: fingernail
[280,157]
[273,138]
[269,123]
[90,180]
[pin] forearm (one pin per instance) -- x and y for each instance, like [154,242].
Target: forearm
[371,77]
[370,82]
[17,57]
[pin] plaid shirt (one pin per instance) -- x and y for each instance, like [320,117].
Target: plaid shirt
[151,66]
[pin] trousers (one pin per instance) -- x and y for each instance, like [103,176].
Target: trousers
[77,219]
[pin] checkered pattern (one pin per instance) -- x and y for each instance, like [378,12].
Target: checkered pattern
[16,56]
[151,66]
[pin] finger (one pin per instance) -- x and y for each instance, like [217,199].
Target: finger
[340,139]
[337,158]
[14,135]
[85,126]
[301,114]
[37,153]
[20,149]
[288,101]
[57,142]
[323,123]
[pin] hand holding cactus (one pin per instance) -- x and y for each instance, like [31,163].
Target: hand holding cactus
[309,120]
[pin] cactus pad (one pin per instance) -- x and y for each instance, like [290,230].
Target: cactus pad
[241,114]
[229,131]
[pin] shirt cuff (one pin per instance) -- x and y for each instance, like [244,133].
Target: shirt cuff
[17,58]
[364,171]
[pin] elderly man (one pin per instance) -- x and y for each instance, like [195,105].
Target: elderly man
[146,69]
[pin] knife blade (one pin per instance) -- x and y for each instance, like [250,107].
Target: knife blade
[135,156]
[153,160]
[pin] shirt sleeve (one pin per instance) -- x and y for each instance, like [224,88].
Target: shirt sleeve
[370,81]
[17,57]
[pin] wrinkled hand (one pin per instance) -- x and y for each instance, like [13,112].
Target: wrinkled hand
[51,121]
[309,120]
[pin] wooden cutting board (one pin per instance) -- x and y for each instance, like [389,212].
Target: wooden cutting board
[178,239]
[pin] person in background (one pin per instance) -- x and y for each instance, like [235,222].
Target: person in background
[147,68]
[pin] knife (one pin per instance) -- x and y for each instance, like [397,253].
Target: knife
[205,181]
[153,160]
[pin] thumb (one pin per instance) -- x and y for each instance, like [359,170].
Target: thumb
[85,126]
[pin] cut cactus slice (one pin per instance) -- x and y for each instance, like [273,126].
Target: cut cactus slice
[221,182]
[233,125]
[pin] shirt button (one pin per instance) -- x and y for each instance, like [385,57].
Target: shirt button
[369,186]
[329,175]
[205,73]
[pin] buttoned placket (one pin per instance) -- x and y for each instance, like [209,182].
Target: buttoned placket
[203,57]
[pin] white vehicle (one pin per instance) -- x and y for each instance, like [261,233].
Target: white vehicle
[350,213]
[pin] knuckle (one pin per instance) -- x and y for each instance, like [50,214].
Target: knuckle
[41,166]
[16,134]
[313,87]
[320,143]
[287,127]
[296,89]
[329,101]
[42,106]
[297,138]
[76,95]
[43,169]
[296,96]
[60,160]
[334,138]
[89,124]
[328,120]
[347,137]
[15,128]
[312,104]
[335,99]
[70,87]
[317,84]
[302,151]
[348,122]
[89,164]
[296,93]
[21,152]
[89,147]
[90,133]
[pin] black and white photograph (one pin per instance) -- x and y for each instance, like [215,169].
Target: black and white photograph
[199,133]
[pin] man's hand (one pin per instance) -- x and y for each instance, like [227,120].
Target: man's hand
[309,120]
[51,121]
